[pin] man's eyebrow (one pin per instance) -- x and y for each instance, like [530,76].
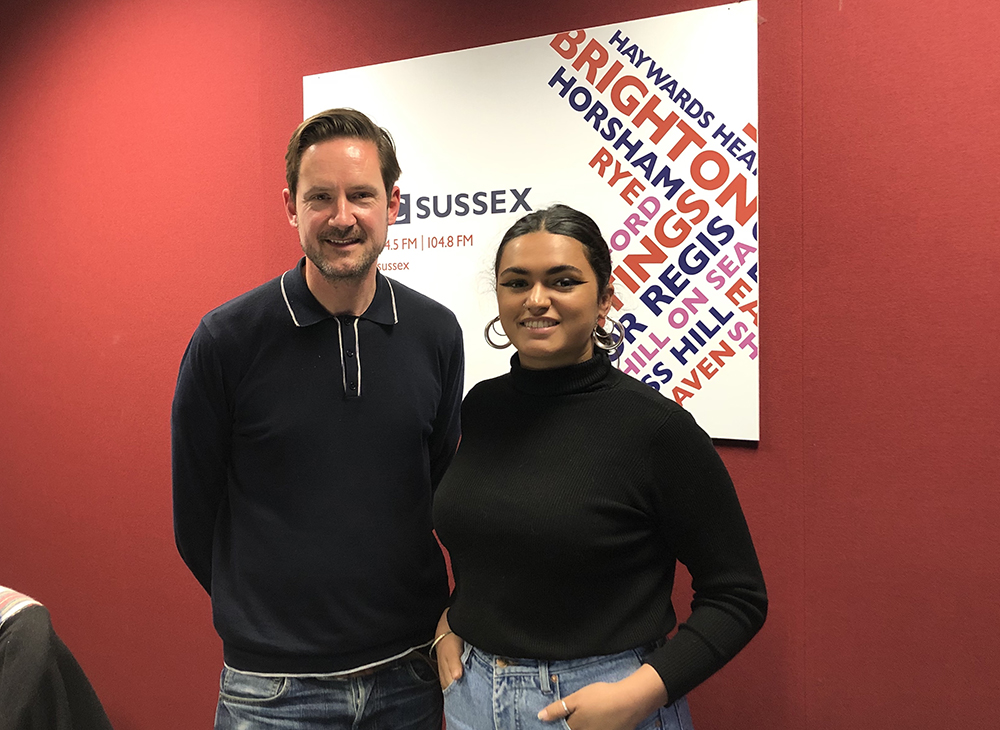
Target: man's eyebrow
[315,189]
[319,187]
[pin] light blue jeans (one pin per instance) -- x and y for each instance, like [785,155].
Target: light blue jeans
[498,693]
[405,695]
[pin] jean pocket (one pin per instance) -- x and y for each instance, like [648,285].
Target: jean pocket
[454,683]
[422,669]
[237,686]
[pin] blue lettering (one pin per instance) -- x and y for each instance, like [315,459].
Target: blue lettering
[618,40]
[629,323]
[423,210]
[622,141]
[653,297]
[497,199]
[612,128]
[656,71]
[671,279]
[580,93]
[565,83]
[598,113]
[673,185]
[447,211]
[700,259]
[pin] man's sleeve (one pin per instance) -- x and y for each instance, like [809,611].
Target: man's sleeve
[447,423]
[200,428]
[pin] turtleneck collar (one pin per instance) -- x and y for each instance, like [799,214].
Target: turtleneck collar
[577,378]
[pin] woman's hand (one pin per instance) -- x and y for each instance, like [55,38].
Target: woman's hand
[448,651]
[611,705]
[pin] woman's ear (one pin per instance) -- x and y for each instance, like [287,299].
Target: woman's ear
[604,303]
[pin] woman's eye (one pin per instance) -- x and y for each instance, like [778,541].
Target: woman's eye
[514,283]
[566,282]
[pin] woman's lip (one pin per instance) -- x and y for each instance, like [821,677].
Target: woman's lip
[538,323]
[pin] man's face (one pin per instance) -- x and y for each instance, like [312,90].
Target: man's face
[341,209]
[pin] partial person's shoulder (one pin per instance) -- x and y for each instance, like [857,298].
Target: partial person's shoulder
[645,399]
[484,399]
[491,387]
[261,301]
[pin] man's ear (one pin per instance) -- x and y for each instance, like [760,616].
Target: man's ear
[393,204]
[290,211]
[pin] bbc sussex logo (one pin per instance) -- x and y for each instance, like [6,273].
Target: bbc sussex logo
[481,202]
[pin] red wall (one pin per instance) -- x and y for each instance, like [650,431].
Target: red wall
[141,167]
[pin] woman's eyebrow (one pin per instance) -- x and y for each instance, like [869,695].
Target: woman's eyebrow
[549,272]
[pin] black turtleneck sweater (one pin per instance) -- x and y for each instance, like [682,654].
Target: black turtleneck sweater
[573,494]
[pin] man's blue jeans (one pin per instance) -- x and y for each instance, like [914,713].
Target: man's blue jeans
[404,695]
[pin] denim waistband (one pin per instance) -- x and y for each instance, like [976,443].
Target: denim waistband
[545,667]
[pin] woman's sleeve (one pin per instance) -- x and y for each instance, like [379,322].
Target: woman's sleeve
[705,527]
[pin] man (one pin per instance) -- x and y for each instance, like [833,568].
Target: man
[312,419]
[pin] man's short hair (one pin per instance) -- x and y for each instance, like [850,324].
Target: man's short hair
[333,124]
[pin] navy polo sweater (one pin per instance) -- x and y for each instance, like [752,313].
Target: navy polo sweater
[306,447]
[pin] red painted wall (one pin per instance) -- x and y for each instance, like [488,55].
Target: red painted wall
[141,167]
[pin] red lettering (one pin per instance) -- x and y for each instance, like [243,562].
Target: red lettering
[737,290]
[721,175]
[698,204]
[682,227]
[632,190]
[647,114]
[738,187]
[565,44]
[688,136]
[627,106]
[602,158]
[608,77]
[635,261]
[594,56]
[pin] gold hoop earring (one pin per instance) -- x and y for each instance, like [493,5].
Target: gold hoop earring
[491,329]
[606,340]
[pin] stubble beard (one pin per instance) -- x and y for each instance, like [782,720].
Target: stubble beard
[338,274]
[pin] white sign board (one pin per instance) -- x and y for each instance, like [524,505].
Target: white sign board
[649,127]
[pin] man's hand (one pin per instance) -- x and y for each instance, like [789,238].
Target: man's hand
[610,705]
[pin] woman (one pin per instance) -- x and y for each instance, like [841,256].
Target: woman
[573,493]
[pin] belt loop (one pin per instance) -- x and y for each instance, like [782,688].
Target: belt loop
[544,681]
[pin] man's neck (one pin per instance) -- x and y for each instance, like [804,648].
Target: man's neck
[343,296]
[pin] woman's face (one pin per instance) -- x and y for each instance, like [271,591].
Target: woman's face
[548,300]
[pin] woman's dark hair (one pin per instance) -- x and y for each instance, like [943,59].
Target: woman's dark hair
[565,221]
